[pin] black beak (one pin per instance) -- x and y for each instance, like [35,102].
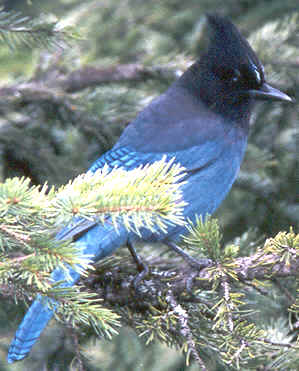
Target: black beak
[267,92]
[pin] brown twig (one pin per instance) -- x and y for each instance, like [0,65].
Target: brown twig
[83,78]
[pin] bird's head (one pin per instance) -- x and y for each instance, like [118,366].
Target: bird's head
[229,75]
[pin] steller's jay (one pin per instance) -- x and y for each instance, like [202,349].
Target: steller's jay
[202,121]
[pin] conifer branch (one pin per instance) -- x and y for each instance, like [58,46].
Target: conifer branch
[46,32]
[83,78]
[214,298]
[29,216]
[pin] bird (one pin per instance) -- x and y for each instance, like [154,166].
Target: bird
[202,121]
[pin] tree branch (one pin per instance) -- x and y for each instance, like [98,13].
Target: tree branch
[171,275]
[86,77]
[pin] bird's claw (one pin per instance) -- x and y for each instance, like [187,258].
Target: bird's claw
[139,276]
[198,264]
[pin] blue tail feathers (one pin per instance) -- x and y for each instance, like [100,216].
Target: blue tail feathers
[29,330]
[99,241]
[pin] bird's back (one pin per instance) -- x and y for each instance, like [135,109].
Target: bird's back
[209,145]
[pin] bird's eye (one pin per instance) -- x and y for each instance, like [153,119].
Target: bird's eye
[236,76]
[229,75]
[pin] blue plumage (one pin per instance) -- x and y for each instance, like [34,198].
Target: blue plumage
[202,120]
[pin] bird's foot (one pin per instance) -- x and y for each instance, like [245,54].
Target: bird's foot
[142,267]
[140,276]
[198,264]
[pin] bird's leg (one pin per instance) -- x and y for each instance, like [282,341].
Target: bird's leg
[141,266]
[195,263]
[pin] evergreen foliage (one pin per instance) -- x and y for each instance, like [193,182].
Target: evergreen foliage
[60,109]
[43,32]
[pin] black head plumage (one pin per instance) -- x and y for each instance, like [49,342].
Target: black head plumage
[231,57]
[229,75]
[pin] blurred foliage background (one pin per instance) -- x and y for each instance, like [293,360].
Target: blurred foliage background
[55,134]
